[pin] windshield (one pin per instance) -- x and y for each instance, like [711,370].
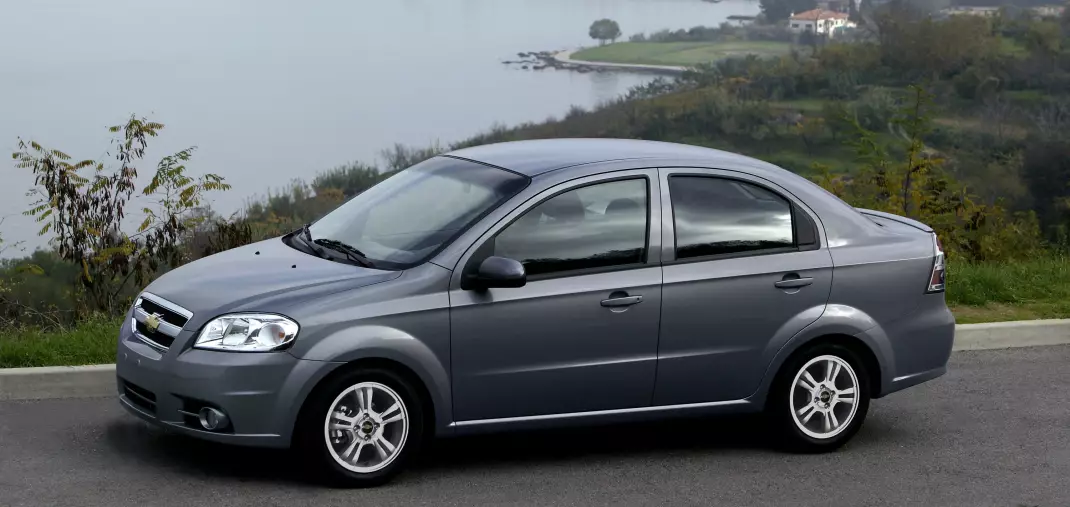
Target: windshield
[404,220]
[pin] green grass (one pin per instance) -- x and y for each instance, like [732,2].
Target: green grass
[679,53]
[1011,47]
[988,292]
[804,105]
[92,342]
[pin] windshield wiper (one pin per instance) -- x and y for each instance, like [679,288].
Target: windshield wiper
[350,251]
[305,236]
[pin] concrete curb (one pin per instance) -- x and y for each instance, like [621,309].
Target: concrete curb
[1003,335]
[99,380]
[57,382]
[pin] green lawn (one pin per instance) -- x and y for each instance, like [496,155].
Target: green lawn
[1034,289]
[93,342]
[678,53]
[1013,48]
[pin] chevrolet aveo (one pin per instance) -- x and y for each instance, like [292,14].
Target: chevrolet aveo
[542,283]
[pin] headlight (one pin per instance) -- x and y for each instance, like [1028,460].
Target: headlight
[247,332]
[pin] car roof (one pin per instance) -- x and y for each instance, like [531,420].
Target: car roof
[532,158]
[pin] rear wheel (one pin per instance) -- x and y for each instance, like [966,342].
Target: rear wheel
[361,428]
[820,398]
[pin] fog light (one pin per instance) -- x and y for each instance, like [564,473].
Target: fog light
[212,419]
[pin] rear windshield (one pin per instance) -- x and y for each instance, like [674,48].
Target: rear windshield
[409,217]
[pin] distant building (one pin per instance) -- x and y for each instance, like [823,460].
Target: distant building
[1043,11]
[820,21]
[1046,11]
[965,10]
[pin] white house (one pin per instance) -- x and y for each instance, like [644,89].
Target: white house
[819,21]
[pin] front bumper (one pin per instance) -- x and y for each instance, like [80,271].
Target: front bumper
[261,393]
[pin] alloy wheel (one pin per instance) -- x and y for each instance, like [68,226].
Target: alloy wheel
[824,397]
[366,427]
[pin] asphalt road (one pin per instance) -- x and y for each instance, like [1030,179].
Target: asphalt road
[994,431]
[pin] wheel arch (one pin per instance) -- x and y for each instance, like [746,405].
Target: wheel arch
[847,327]
[390,348]
[426,399]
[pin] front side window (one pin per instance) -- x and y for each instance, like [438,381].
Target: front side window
[596,226]
[407,218]
[719,216]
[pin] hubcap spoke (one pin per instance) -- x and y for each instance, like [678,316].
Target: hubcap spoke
[835,422]
[359,393]
[397,417]
[350,421]
[835,373]
[380,449]
[384,443]
[368,394]
[828,423]
[349,454]
[810,378]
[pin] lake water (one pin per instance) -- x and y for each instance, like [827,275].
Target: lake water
[273,90]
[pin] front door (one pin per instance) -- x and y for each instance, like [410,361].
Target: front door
[582,334]
[744,271]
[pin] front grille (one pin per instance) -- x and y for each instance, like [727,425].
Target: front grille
[167,315]
[157,321]
[157,337]
[143,398]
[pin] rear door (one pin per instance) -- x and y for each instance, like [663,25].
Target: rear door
[743,269]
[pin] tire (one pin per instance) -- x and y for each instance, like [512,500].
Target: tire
[824,418]
[347,448]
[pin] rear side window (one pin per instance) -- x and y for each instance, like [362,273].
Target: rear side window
[720,216]
[596,226]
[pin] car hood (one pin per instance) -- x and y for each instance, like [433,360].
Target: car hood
[268,276]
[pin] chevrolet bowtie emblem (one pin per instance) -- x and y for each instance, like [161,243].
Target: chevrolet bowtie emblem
[152,322]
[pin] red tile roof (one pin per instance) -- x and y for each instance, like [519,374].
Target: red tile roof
[818,14]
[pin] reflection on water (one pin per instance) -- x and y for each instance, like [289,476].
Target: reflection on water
[271,90]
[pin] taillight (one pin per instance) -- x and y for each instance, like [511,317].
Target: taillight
[937,279]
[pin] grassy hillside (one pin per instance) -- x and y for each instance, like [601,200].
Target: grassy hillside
[683,54]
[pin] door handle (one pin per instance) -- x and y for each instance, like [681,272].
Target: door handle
[793,283]
[622,301]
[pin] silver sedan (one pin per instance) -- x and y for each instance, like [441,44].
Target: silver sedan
[543,283]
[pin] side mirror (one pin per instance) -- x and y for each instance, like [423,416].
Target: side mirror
[498,272]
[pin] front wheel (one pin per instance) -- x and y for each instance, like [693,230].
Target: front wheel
[820,399]
[360,428]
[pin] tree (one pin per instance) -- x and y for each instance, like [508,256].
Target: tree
[911,180]
[780,10]
[85,213]
[1044,39]
[603,30]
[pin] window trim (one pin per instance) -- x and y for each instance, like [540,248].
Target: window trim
[479,253]
[793,206]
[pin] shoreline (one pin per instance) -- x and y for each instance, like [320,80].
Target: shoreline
[565,58]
